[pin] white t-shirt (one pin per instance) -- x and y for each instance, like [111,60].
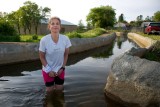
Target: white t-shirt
[54,52]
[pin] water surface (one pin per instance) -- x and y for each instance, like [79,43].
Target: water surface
[21,85]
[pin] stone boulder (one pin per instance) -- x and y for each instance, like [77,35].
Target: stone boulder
[133,81]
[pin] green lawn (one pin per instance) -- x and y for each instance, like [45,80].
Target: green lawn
[154,54]
[29,38]
[152,36]
[88,34]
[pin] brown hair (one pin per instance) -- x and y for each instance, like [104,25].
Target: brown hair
[49,22]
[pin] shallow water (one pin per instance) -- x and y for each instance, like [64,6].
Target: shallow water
[21,85]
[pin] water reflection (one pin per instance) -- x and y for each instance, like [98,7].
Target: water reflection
[17,69]
[104,51]
[120,40]
[54,99]
[111,103]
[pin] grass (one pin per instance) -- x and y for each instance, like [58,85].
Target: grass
[29,38]
[152,36]
[36,38]
[88,34]
[93,33]
[154,54]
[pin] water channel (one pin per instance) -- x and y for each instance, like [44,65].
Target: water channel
[21,85]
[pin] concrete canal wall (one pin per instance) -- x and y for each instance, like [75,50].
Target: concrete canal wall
[143,42]
[14,52]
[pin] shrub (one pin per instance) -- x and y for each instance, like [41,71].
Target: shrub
[34,37]
[73,35]
[9,38]
[94,32]
[7,29]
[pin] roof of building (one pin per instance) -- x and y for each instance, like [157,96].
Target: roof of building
[119,24]
[63,22]
[144,24]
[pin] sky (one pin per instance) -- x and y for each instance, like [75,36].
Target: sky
[76,10]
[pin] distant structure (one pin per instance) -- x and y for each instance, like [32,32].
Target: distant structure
[120,25]
[43,27]
[144,25]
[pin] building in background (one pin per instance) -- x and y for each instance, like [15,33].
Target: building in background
[120,25]
[43,28]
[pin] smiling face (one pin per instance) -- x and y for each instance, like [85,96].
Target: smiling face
[54,25]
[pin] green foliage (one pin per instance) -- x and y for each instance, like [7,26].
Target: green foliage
[34,37]
[156,46]
[73,34]
[88,34]
[28,16]
[93,33]
[152,36]
[81,27]
[9,38]
[105,54]
[121,18]
[156,16]
[102,16]
[152,56]
[6,29]
[30,38]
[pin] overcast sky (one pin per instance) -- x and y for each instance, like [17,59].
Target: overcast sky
[76,10]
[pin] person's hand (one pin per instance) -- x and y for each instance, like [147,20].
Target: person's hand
[52,74]
[59,72]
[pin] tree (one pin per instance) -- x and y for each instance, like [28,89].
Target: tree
[156,16]
[6,26]
[132,23]
[103,16]
[14,17]
[148,19]
[81,26]
[140,18]
[121,18]
[32,15]
[41,15]
[6,29]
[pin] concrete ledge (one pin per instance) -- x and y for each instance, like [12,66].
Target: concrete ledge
[83,44]
[18,52]
[13,52]
[143,42]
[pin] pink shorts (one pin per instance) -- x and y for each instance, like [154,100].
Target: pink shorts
[47,78]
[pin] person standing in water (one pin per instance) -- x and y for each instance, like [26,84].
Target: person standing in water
[53,53]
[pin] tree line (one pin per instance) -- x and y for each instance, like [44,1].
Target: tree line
[105,17]
[140,19]
[26,17]
[30,15]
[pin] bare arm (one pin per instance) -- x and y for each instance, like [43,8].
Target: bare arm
[42,58]
[65,57]
[65,60]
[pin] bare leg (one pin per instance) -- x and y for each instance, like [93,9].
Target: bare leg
[59,87]
[49,89]
[54,99]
